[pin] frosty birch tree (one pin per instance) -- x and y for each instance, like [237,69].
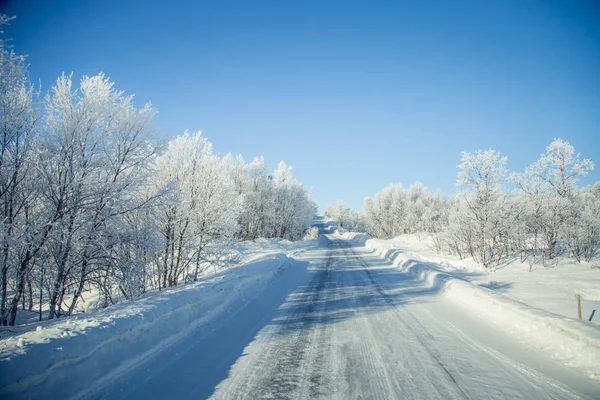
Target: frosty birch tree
[546,216]
[258,192]
[581,231]
[96,153]
[205,207]
[385,215]
[294,209]
[551,183]
[18,119]
[346,217]
[482,174]
[273,205]
[425,211]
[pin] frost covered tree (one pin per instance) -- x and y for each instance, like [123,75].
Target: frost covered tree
[546,215]
[294,208]
[274,205]
[418,198]
[204,205]
[581,231]
[257,188]
[95,157]
[91,156]
[385,214]
[347,218]
[436,214]
[214,199]
[551,184]
[18,121]
[459,236]
[483,174]
[395,211]
[425,212]
[134,260]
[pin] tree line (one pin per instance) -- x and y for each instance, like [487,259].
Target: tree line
[90,200]
[535,215]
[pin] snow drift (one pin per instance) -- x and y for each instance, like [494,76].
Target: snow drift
[573,342]
[92,349]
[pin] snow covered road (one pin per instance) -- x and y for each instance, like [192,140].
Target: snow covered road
[350,327]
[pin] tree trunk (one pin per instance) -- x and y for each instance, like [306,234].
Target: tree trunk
[42,289]
[54,298]
[172,267]
[20,287]
[30,287]
[3,308]
[29,255]
[166,260]
[24,297]
[80,287]
[197,264]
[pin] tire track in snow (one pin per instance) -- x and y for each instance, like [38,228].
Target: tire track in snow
[285,361]
[528,376]
[343,336]
[290,369]
[366,372]
[425,346]
[315,383]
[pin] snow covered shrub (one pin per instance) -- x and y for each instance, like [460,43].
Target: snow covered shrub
[274,205]
[385,214]
[312,233]
[581,232]
[394,211]
[551,185]
[482,174]
[346,217]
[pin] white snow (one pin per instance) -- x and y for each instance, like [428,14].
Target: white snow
[94,347]
[538,307]
[358,328]
[352,317]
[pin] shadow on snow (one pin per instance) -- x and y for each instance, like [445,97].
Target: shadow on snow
[341,284]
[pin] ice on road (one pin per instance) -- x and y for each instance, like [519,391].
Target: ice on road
[349,326]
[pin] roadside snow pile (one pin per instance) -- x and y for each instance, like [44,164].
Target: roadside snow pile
[420,247]
[552,288]
[252,250]
[358,237]
[247,252]
[97,346]
[575,343]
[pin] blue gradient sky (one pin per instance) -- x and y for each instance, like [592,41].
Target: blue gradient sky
[354,95]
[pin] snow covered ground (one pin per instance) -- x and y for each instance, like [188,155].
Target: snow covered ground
[552,288]
[355,327]
[92,300]
[343,316]
[539,308]
[38,358]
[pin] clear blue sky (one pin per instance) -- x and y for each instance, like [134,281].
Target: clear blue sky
[353,95]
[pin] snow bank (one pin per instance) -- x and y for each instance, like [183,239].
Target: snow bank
[358,237]
[420,247]
[573,342]
[98,346]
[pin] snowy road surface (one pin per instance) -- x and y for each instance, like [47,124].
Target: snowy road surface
[343,324]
